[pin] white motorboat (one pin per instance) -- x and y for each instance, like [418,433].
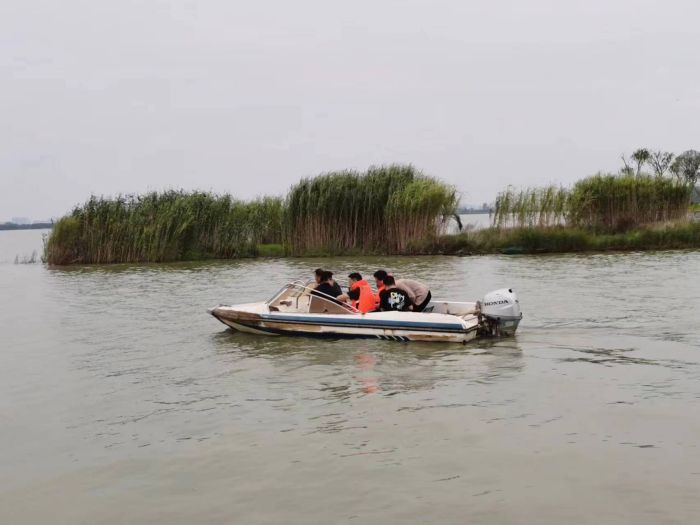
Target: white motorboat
[295,310]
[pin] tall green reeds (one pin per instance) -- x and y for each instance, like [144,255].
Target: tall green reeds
[618,203]
[531,207]
[608,203]
[166,226]
[377,211]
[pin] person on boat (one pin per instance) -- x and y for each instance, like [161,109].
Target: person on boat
[325,286]
[393,298]
[336,287]
[379,277]
[418,292]
[360,293]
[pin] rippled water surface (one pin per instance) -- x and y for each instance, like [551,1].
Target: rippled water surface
[121,400]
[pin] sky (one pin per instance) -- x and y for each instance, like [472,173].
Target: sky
[120,96]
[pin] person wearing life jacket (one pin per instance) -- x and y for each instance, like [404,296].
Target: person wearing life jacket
[379,277]
[360,293]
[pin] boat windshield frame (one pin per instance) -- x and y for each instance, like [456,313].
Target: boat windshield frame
[303,288]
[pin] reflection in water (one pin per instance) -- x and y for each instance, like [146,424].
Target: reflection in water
[116,377]
[381,365]
[368,378]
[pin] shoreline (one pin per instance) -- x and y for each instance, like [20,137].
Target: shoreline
[492,241]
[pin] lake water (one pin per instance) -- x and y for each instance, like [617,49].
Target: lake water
[121,400]
[470,221]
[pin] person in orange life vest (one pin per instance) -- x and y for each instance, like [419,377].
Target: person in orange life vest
[359,293]
[379,277]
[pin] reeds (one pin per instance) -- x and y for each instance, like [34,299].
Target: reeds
[159,227]
[563,239]
[531,207]
[616,203]
[27,259]
[379,211]
[608,203]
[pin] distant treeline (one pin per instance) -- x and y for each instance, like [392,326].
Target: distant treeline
[34,226]
[378,211]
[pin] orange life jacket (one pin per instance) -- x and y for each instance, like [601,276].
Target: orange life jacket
[377,298]
[366,301]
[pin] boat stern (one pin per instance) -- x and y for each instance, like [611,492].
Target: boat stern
[501,311]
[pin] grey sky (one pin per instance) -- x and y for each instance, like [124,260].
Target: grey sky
[247,97]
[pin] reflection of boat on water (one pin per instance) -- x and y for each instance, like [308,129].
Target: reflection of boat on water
[295,310]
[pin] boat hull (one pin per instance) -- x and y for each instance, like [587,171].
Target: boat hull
[397,326]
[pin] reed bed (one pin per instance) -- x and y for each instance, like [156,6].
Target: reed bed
[563,239]
[612,203]
[159,227]
[603,202]
[378,211]
[386,210]
[531,207]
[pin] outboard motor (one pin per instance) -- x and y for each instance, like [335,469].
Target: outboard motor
[501,313]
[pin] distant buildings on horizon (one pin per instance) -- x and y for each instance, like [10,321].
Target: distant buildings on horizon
[23,221]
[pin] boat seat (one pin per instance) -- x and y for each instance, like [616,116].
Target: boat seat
[318,305]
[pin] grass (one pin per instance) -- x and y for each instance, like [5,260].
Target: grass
[603,202]
[161,227]
[613,203]
[348,212]
[373,212]
[531,207]
[386,210]
[562,239]
[271,250]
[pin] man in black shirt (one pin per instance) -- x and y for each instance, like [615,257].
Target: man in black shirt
[392,298]
[319,272]
[325,287]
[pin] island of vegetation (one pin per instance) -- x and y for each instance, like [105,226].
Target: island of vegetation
[388,210]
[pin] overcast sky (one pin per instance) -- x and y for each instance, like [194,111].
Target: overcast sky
[247,97]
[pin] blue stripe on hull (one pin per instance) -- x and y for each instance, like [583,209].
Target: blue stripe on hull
[336,335]
[364,323]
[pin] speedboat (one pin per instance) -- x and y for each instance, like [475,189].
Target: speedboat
[296,309]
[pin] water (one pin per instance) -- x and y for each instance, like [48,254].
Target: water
[121,400]
[470,222]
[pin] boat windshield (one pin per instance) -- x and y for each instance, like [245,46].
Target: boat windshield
[296,297]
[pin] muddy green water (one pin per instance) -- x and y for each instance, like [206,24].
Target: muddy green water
[122,401]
